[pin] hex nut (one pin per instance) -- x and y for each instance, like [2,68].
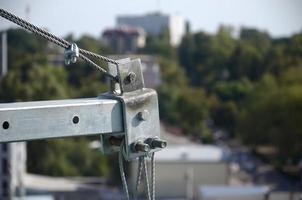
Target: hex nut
[158,143]
[141,147]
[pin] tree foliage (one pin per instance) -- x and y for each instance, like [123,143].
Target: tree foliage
[273,115]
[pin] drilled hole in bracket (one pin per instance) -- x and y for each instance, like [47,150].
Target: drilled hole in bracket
[5,125]
[75,119]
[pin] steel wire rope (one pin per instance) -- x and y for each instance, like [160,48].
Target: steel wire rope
[146,178]
[122,171]
[139,176]
[58,41]
[152,176]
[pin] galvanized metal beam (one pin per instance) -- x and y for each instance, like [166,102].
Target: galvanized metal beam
[62,118]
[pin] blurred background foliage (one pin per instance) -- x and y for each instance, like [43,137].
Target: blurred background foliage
[250,86]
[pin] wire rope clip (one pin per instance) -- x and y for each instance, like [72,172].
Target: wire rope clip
[71,54]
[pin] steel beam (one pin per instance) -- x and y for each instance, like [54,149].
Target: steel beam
[62,118]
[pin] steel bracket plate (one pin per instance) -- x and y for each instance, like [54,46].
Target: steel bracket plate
[140,109]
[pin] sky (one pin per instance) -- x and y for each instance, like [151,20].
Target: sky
[280,18]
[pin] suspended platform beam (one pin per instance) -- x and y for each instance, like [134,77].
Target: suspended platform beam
[62,118]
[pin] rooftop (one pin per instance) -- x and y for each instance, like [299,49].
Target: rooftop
[222,191]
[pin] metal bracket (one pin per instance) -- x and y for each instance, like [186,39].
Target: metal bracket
[140,110]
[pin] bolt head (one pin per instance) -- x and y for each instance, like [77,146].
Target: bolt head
[131,77]
[144,115]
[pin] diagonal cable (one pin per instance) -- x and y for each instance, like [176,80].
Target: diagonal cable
[58,41]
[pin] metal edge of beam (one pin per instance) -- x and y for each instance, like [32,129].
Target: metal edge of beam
[62,118]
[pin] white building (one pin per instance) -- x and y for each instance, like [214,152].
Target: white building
[12,169]
[181,169]
[155,23]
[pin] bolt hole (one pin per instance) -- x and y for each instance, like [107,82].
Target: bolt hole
[5,125]
[75,119]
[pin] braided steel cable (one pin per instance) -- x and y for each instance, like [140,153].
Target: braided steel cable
[90,62]
[122,171]
[147,179]
[58,41]
[89,53]
[21,22]
[139,176]
[152,176]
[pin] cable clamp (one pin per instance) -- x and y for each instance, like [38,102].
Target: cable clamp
[71,54]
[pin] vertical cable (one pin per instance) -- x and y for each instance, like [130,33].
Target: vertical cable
[147,179]
[152,176]
[139,176]
[122,172]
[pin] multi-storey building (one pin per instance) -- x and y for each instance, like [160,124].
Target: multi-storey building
[124,39]
[156,23]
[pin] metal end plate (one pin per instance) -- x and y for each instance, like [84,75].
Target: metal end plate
[130,74]
[136,100]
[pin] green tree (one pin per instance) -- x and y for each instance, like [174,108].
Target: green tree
[273,116]
[159,45]
[37,82]
[66,157]
[246,61]
[173,83]
[260,40]
[233,90]
[192,106]
[205,57]
[180,104]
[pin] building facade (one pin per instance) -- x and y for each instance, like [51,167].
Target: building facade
[156,23]
[124,39]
